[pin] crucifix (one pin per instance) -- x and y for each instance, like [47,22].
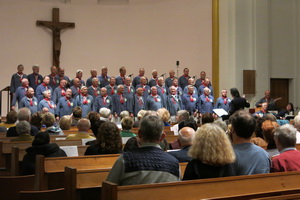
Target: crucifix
[56,26]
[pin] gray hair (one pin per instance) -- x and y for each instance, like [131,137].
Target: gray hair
[23,127]
[141,114]
[83,124]
[119,87]
[24,114]
[24,80]
[105,112]
[46,92]
[151,128]
[297,121]
[206,88]
[221,124]
[123,114]
[286,135]
[35,66]
[183,114]
[160,78]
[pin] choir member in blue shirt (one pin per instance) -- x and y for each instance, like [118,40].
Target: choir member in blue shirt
[190,101]
[65,104]
[61,75]
[205,84]
[200,80]
[178,89]
[94,89]
[120,80]
[16,79]
[35,79]
[119,103]
[137,80]
[103,78]
[47,102]
[162,90]
[139,101]
[174,102]
[154,101]
[20,93]
[154,79]
[191,81]
[103,101]
[76,88]
[59,91]
[183,80]
[111,87]
[169,80]
[29,101]
[93,75]
[53,82]
[43,87]
[145,87]
[85,101]
[129,93]
[223,101]
[79,74]
[206,102]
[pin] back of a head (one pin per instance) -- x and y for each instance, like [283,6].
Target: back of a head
[151,128]
[36,119]
[234,92]
[286,135]
[268,128]
[207,118]
[11,117]
[243,124]
[297,122]
[42,138]
[127,123]
[188,123]
[163,114]
[216,148]
[65,122]
[95,126]
[183,115]
[48,119]
[186,136]
[221,124]
[105,112]
[123,114]
[77,112]
[141,114]
[24,114]
[109,138]
[84,125]
[23,127]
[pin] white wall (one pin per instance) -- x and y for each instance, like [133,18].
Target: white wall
[143,33]
[261,35]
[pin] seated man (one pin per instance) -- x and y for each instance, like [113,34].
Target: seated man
[185,138]
[267,98]
[250,159]
[263,111]
[289,157]
[23,129]
[83,128]
[149,163]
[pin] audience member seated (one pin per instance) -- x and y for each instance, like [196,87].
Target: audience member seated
[65,122]
[108,140]
[149,163]
[123,114]
[76,115]
[215,156]
[268,128]
[83,128]
[222,125]
[164,115]
[23,114]
[140,115]
[36,120]
[127,123]
[48,120]
[268,99]
[297,126]
[11,119]
[250,159]
[40,146]
[185,139]
[182,115]
[23,130]
[289,157]
[105,114]
[207,118]
[263,111]
[289,111]
[94,117]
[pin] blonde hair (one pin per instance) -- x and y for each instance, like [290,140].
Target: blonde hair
[65,122]
[163,114]
[212,146]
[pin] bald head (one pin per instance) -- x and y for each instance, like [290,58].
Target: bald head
[186,136]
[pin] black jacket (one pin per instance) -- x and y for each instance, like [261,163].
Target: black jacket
[48,150]
[238,103]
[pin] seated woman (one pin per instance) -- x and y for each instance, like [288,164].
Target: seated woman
[127,123]
[268,130]
[285,112]
[65,122]
[23,129]
[108,140]
[11,119]
[36,120]
[40,146]
[212,154]
[48,120]
[164,115]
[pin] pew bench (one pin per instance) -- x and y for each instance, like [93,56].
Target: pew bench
[205,188]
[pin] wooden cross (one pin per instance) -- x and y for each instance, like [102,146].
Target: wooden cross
[56,26]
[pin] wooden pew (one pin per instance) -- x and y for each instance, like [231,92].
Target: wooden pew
[49,171]
[205,188]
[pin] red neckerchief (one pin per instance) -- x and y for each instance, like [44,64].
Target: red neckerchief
[173,99]
[123,79]
[224,99]
[204,84]
[30,101]
[121,98]
[104,99]
[21,77]
[128,88]
[53,78]
[84,98]
[112,89]
[139,97]
[49,103]
[68,100]
[95,91]
[63,92]
[36,77]
[191,97]
[45,85]
[154,97]
[25,89]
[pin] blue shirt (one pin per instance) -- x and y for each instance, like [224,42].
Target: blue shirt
[103,80]
[64,108]
[100,102]
[40,89]
[46,104]
[151,104]
[25,102]
[19,95]
[86,104]
[34,80]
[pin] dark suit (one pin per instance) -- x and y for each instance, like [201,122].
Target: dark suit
[238,103]
[181,155]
